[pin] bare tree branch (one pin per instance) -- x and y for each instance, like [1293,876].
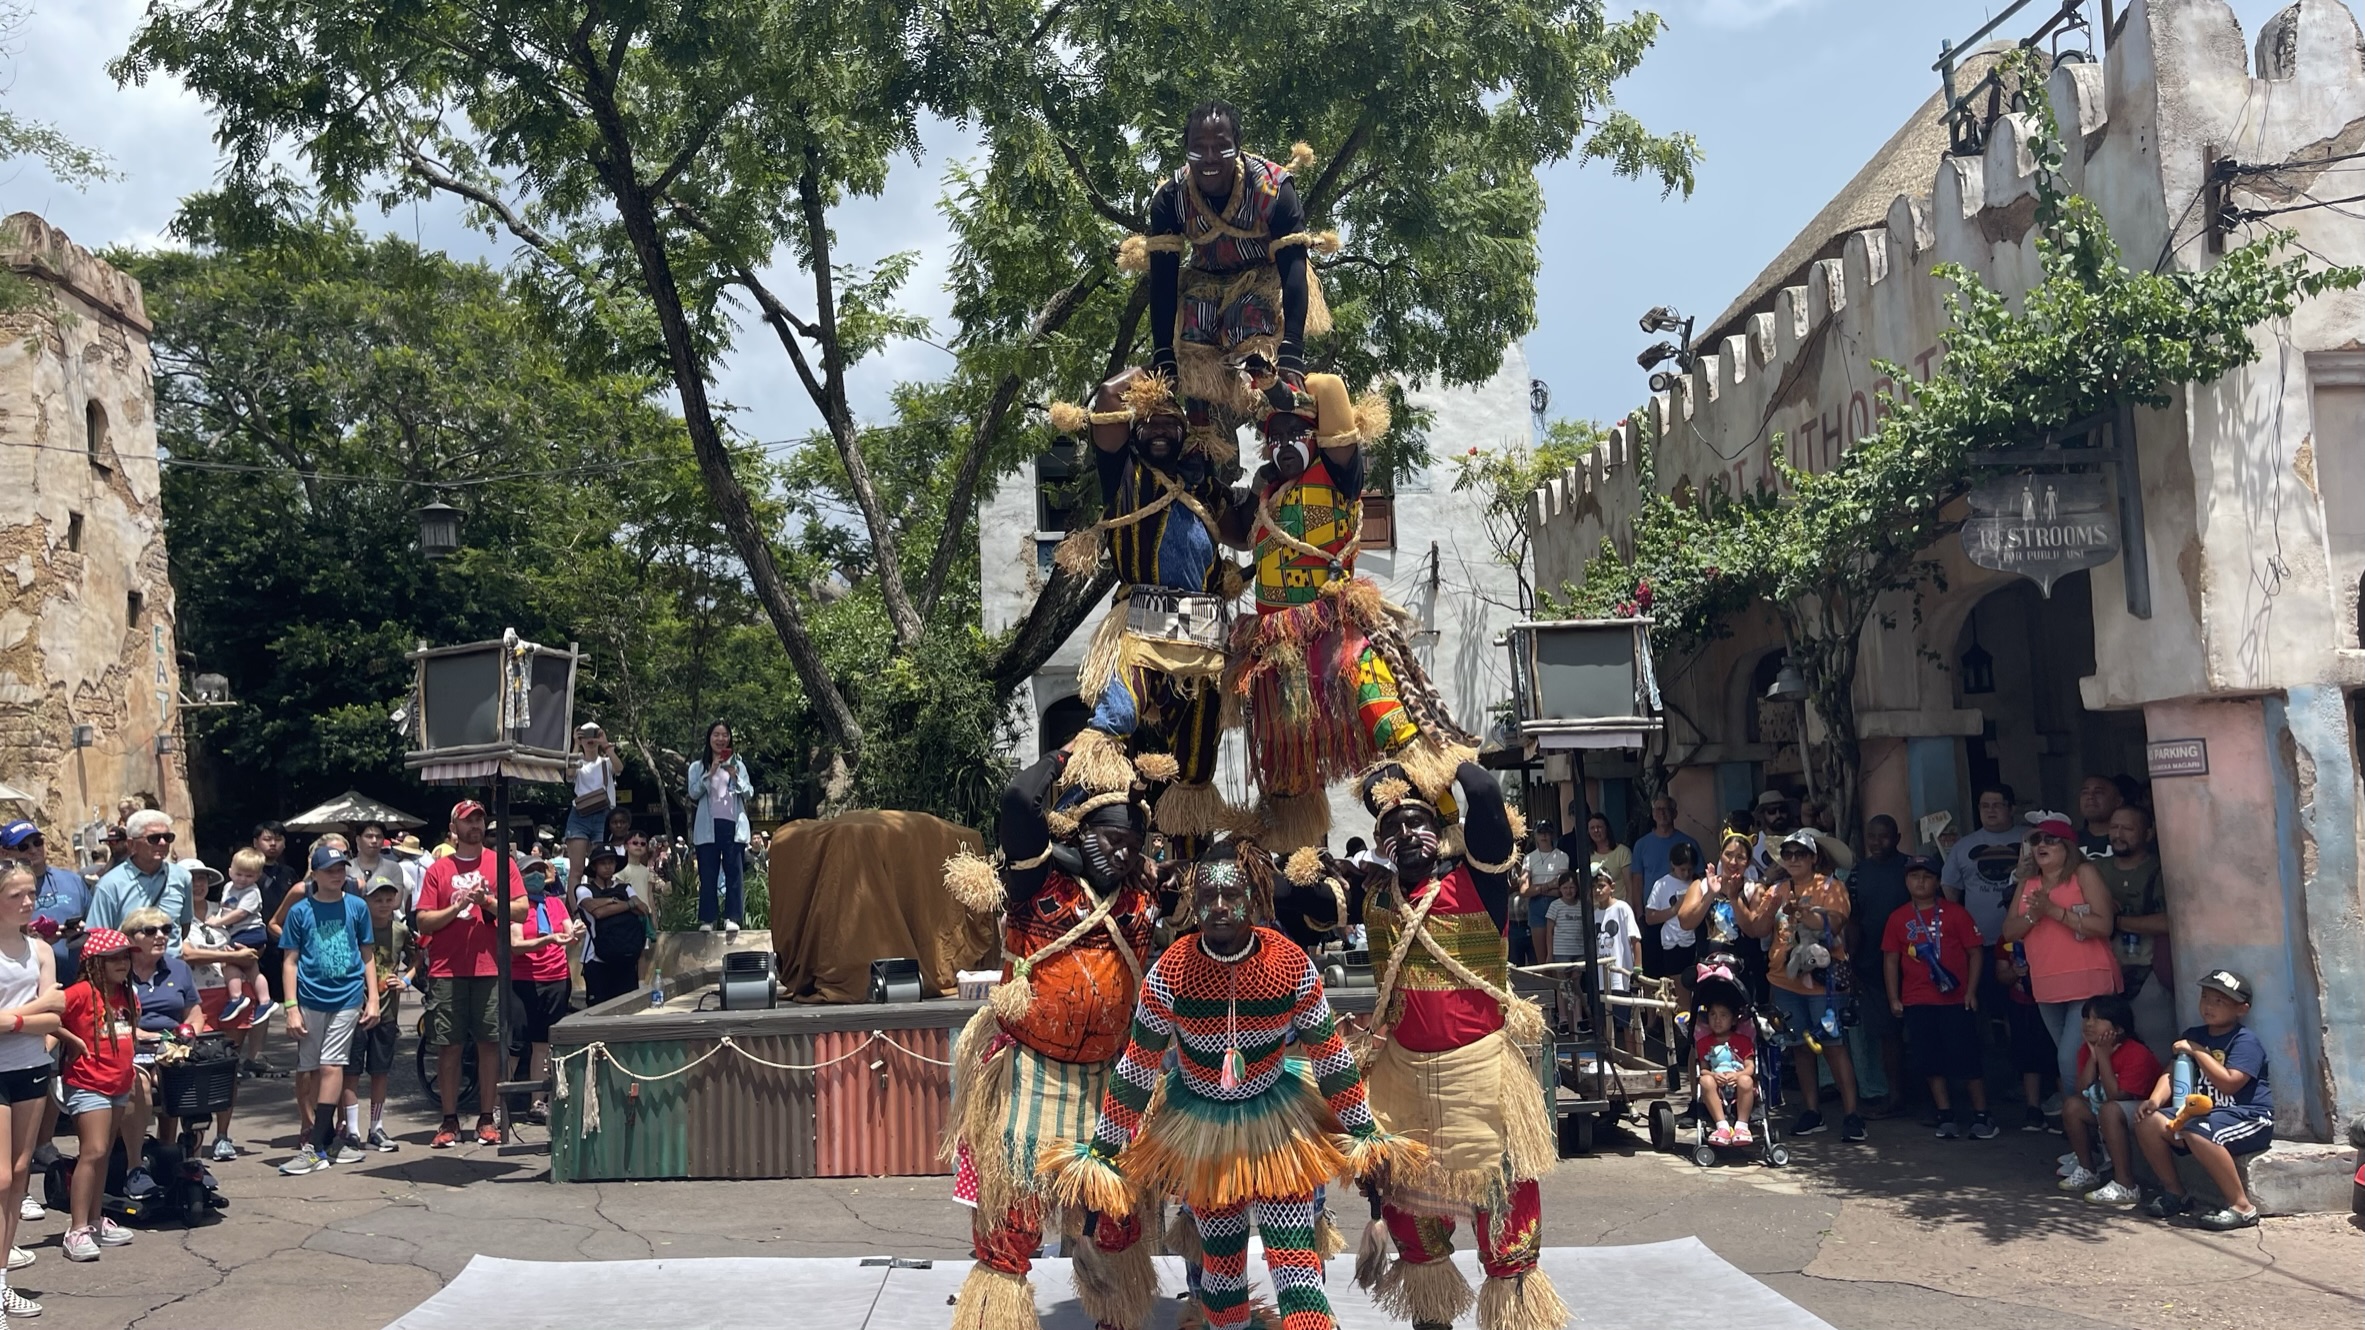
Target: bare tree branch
[960,508]
[1056,614]
[1100,205]
[1128,324]
[1319,198]
[886,559]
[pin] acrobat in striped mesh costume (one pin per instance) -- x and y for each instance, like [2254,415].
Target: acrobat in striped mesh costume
[1243,1130]
[1033,1065]
[1452,1063]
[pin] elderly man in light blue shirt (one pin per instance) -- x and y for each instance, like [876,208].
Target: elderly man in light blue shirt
[147,878]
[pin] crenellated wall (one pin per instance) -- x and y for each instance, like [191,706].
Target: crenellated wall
[2253,492]
[2236,524]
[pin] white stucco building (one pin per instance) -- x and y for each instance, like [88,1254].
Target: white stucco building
[1438,565]
[2225,664]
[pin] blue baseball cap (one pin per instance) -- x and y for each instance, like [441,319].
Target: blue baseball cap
[16,833]
[329,856]
[1921,863]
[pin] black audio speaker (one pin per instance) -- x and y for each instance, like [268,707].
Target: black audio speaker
[749,981]
[895,979]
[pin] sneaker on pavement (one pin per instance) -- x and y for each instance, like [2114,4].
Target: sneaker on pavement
[2082,1180]
[1983,1127]
[1851,1127]
[237,1007]
[13,1303]
[81,1244]
[31,1210]
[446,1136]
[348,1151]
[1949,1130]
[2225,1219]
[19,1258]
[2168,1205]
[225,1150]
[381,1142]
[487,1133]
[2118,1195]
[2052,1106]
[112,1234]
[731,927]
[2035,1121]
[1807,1123]
[307,1160]
[706,928]
[1742,1135]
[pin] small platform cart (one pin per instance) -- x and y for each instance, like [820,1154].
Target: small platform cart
[1581,684]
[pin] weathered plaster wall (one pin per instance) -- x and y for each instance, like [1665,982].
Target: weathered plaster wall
[2331,942]
[82,536]
[2225,899]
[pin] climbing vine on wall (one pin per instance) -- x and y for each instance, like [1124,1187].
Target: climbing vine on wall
[1823,548]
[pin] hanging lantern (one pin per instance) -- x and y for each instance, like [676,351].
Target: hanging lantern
[439,530]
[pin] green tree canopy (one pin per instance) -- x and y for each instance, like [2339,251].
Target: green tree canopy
[660,161]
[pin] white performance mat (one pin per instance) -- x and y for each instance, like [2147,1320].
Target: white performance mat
[1650,1285]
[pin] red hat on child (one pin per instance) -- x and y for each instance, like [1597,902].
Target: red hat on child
[104,942]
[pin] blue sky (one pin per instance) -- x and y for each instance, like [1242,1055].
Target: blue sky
[1788,98]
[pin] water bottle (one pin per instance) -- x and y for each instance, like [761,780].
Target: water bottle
[656,989]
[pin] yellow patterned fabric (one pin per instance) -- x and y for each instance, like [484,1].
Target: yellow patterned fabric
[1471,939]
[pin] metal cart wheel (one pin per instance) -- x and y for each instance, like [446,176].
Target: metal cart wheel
[1704,1155]
[1662,1126]
[1777,1156]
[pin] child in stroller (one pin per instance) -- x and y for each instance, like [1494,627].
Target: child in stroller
[1735,1088]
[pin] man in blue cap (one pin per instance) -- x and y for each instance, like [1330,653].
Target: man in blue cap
[60,897]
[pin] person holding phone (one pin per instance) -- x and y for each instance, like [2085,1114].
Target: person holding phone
[720,788]
[596,769]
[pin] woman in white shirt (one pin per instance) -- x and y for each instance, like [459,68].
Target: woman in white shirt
[595,794]
[720,788]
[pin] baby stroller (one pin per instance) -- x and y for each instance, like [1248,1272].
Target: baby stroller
[1716,981]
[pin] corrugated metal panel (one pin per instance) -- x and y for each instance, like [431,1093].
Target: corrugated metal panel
[881,1112]
[753,1121]
[641,1136]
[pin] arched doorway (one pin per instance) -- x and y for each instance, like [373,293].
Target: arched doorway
[1062,720]
[2018,660]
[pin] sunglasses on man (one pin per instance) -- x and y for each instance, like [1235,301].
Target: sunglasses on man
[159,838]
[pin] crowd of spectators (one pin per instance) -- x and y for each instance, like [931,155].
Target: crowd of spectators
[1902,981]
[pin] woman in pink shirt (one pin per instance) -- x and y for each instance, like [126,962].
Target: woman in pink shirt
[2063,917]
[538,973]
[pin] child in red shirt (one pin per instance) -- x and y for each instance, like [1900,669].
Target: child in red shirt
[2115,1073]
[1930,955]
[98,1038]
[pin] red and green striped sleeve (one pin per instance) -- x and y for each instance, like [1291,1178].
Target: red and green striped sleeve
[1136,1073]
[1334,1066]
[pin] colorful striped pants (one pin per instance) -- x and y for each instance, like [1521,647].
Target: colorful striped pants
[1288,1230]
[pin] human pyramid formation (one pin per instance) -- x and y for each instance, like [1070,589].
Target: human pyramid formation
[1097,1084]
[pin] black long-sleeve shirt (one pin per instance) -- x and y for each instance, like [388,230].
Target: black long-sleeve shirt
[1168,209]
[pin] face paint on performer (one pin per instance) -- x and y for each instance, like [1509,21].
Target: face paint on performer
[1109,854]
[1290,456]
[1408,836]
[1219,899]
[1213,150]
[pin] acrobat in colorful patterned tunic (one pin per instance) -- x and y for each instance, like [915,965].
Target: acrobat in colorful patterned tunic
[1444,1070]
[1246,1127]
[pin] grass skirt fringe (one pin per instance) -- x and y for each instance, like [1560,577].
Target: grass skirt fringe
[1479,1112]
[992,1299]
[1435,1292]
[1116,1288]
[1526,1302]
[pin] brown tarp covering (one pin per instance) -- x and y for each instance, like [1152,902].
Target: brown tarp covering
[857,888]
